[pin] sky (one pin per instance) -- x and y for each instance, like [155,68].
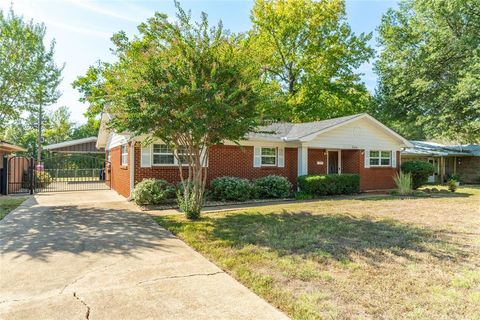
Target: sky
[82,29]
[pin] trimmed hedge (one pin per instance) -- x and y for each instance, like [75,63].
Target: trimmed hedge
[419,170]
[272,186]
[329,184]
[231,189]
[153,191]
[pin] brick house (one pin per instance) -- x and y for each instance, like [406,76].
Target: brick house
[447,160]
[354,144]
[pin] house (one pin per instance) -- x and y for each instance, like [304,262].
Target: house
[354,144]
[6,149]
[448,160]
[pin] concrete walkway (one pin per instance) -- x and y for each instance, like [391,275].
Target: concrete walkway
[92,255]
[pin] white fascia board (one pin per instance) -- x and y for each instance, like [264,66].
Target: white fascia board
[263,143]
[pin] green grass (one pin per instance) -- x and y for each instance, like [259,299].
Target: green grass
[7,204]
[351,259]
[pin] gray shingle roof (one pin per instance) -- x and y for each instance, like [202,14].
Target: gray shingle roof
[436,149]
[282,131]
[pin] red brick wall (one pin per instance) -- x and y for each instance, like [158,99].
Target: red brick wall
[351,161]
[223,161]
[377,178]
[119,175]
[468,168]
[315,155]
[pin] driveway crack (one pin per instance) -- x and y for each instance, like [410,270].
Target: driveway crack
[87,313]
[180,276]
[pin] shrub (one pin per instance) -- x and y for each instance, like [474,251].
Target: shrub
[329,184]
[419,170]
[152,191]
[403,182]
[231,188]
[452,185]
[272,187]
[42,179]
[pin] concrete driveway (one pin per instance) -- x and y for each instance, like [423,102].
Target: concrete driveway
[92,255]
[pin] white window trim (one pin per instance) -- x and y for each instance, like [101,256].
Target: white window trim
[275,156]
[124,155]
[380,158]
[153,153]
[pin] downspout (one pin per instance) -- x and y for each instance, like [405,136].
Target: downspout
[132,168]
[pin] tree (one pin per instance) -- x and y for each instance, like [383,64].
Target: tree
[58,127]
[429,69]
[89,129]
[308,55]
[183,82]
[29,76]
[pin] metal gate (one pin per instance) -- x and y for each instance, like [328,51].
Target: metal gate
[72,172]
[64,172]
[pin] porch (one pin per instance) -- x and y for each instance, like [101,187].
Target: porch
[375,173]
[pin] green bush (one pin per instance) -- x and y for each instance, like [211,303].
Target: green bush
[231,188]
[272,187]
[153,191]
[419,170]
[42,179]
[329,184]
[452,185]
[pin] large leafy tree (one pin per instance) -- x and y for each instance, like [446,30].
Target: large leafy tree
[429,69]
[309,57]
[29,76]
[184,82]
[58,127]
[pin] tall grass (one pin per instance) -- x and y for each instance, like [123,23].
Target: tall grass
[403,182]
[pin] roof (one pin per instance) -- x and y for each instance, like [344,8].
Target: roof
[9,147]
[305,131]
[70,143]
[427,148]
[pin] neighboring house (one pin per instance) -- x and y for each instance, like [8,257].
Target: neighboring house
[84,145]
[448,160]
[354,144]
[6,149]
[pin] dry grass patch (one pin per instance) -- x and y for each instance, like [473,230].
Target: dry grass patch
[379,258]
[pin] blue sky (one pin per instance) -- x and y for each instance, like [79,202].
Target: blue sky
[82,29]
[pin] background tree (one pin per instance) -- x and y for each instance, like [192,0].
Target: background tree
[88,129]
[29,76]
[185,83]
[429,69]
[58,127]
[309,57]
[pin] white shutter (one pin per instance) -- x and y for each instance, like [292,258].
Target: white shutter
[281,157]
[146,156]
[203,158]
[367,158]
[257,157]
[394,159]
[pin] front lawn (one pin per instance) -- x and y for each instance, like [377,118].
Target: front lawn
[351,259]
[7,204]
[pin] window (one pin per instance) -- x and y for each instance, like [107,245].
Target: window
[163,154]
[124,159]
[269,156]
[380,158]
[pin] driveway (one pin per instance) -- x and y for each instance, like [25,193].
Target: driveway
[92,255]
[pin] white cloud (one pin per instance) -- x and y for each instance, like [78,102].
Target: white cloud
[102,10]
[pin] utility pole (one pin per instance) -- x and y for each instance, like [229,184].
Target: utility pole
[39,138]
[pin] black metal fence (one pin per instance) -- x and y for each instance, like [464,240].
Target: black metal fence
[65,172]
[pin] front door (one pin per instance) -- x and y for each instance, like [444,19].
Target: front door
[332,162]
